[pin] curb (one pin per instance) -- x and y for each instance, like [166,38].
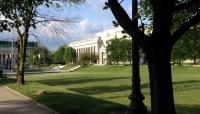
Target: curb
[32,100]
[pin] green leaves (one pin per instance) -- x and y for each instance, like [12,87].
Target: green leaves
[119,49]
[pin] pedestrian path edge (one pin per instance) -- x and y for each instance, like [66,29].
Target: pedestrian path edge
[32,100]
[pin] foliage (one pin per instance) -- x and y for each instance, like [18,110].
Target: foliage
[58,55]
[119,49]
[188,47]
[84,59]
[34,59]
[64,55]
[69,55]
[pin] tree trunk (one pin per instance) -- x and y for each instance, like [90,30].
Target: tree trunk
[18,51]
[162,100]
[22,58]
[195,61]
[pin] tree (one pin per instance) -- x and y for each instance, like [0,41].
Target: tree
[127,47]
[188,47]
[69,55]
[21,15]
[119,49]
[58,55]
[158,46]
[84,59]
[34,56]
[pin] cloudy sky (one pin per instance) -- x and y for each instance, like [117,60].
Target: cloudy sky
[88,19]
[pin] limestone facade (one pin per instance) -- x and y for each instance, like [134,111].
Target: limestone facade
[97,44]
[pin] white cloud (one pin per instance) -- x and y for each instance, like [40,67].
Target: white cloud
[90,27]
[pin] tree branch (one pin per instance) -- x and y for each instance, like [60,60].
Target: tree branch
[184,27]
[125,22]
[185,5]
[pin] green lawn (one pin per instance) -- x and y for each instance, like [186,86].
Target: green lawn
[104,89]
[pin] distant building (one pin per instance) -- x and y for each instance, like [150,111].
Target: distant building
[97,45]
[9,53]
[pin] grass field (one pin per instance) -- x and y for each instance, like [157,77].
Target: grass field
[104,89]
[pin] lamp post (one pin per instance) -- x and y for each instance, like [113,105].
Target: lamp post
[12,54]
[136,105]
[39,61]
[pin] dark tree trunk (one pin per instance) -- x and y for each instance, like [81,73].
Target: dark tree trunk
[158,58]
[18,51]
[195,61]
[22,58]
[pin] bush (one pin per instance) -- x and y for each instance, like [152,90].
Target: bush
[84,59]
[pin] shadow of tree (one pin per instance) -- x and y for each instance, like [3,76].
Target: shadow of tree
[187,109]
[105,89]
[186,85]
[73,103]
[6,80]
[67,81]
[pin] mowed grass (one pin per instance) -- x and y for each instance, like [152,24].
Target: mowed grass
[105,89]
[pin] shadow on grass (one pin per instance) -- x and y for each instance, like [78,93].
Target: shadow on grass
[187,109]
[178,86]
[6,80]
[187,82]
[105,89]
[73,103]
[186,85]
[55,82]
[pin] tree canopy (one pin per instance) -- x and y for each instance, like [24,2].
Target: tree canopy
[119,49]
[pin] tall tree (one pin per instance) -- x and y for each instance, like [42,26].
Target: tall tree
[188,47]
[69,55]
[33,57]
[158,46]
[58,55]
[22,15]
[119,49]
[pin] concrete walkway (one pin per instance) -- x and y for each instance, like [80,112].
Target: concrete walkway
[12,103]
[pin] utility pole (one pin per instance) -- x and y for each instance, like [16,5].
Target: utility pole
[12,55]
[136,105]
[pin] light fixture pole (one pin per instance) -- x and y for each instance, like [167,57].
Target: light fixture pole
[39,60]
[136,105]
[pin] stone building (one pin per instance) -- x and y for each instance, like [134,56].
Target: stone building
[9,53]
[97,44]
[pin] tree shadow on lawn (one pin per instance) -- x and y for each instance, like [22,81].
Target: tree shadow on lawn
[68,81]
[6,80]
[73,103]
[187,109]
[178,86]
[186,85]
[105,89]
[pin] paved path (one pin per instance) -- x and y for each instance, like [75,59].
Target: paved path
[12,103]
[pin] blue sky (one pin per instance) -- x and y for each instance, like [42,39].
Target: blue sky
[90,16]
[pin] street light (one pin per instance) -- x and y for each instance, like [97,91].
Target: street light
[12,53]
[39,60]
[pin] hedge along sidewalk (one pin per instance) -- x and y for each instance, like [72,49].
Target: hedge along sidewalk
[12,102]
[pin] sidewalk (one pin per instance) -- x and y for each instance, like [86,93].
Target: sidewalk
[12,103]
